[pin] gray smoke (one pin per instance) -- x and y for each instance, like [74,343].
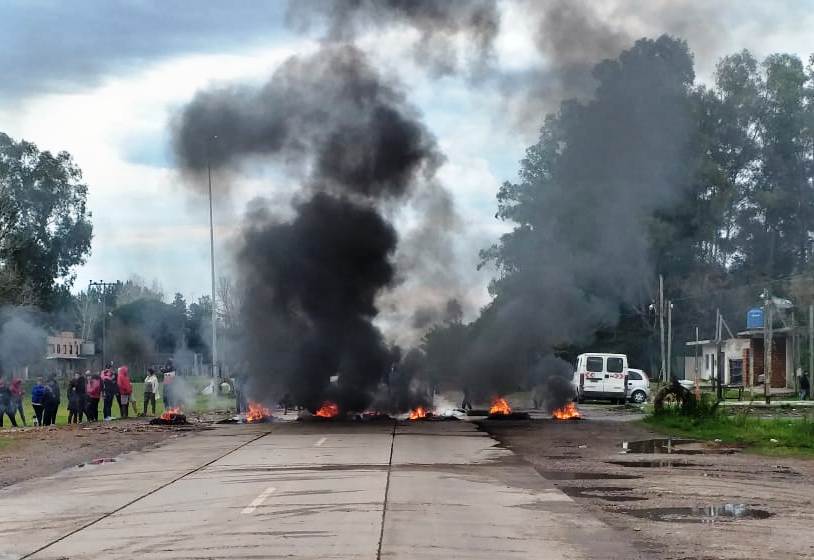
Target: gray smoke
[311,283]
[22,339]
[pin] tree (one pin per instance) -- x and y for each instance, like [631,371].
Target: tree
[45,229]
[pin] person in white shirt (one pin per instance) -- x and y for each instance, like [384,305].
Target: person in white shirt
[150,390]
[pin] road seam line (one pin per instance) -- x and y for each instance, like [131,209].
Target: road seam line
[258,501]
[320,442]
[386,490]
[133,501]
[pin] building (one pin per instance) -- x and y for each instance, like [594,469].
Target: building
[741,359]
[66,353]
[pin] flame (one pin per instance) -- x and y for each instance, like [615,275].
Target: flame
[418,413]
[500,406]
[171,413]
[566,412]
[257,412]
[328,410]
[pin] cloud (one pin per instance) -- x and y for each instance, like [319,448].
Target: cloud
[55,46]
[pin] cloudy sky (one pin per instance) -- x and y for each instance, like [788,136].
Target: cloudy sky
[104,79]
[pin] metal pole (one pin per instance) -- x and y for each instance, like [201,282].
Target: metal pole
[661,327]
[212,265]
[697,380]
[767,346]
[669,339]
[104,328]
[718,371]
[810,348]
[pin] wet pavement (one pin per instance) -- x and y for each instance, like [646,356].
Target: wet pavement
[307,490]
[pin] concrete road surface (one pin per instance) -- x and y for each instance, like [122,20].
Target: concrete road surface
[306,490]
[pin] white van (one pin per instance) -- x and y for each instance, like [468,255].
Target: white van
[601,376]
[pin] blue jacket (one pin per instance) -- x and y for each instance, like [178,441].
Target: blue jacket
[38,394]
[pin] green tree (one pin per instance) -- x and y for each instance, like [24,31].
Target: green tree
[45,229]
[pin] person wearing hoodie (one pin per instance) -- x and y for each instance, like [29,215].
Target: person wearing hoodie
[5,403]
[110,389]
[38,392]
[16,389]
[125,391]
[76,398]
[94,393]
[150,390]
[52,400]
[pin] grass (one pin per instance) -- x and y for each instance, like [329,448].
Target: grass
[201,403]
[794,437]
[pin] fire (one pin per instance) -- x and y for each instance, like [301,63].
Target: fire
[500,406]
[171,413]
[257,412]
[566,412]
[328,410]
[418,413]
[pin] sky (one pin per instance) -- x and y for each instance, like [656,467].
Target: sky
[105,79]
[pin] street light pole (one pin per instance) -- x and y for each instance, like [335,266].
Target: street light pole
[212,267]
[103,286]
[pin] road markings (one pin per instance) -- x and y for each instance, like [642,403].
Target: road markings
[258,501]
[320,442]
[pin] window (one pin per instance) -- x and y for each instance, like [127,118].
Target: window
[616,365]
[59,349]
[633,376]
[594,364]
[736,371]
[706,362]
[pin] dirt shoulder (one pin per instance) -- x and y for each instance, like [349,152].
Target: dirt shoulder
[35,452]
[635,493]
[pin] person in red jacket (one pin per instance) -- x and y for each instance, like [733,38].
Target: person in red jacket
[125,391]
[94,392]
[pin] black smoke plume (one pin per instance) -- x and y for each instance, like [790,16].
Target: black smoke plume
[310,284]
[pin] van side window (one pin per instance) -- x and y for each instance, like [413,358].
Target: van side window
[615,365]
[594,364]
[633,376]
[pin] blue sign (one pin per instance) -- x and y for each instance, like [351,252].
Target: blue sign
[754,318]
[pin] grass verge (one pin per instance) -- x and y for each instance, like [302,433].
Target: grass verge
[792,437]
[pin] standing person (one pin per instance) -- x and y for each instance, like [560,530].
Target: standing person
[466,404]
[17,398]
[125,391]
[38,392]
[5,403]
[150,390]
[94,393]
[805,388]
[169,394]
[76,398]
[52,400]
[110,389]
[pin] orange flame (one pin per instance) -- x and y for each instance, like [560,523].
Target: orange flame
[500,406]
[328,410]
[171,413]
[418,413]
[257,412]
[566,412]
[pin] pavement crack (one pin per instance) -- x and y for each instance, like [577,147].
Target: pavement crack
[386,490]
[150,493]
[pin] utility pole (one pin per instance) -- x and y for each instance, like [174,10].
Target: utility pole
[810,347]
[767,344]
[697,349]
[669,340]
[212,267]
[102,285]
[661,328]
[718,371]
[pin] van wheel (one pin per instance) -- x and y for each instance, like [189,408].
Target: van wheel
[638,397]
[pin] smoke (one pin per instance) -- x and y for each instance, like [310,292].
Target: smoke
[311,282]
[22,340]
[453,35]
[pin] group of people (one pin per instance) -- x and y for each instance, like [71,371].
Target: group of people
[84,393]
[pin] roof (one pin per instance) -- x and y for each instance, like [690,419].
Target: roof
[753,333]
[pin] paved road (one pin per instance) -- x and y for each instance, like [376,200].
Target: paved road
[306,490]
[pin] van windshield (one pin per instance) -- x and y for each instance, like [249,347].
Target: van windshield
[616,365]
[594,363]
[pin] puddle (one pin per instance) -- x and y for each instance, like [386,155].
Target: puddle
[607,493]
[706,514]
[570,475]
[670,446]
[656,464]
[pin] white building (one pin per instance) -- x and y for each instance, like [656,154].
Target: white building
[67,353]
